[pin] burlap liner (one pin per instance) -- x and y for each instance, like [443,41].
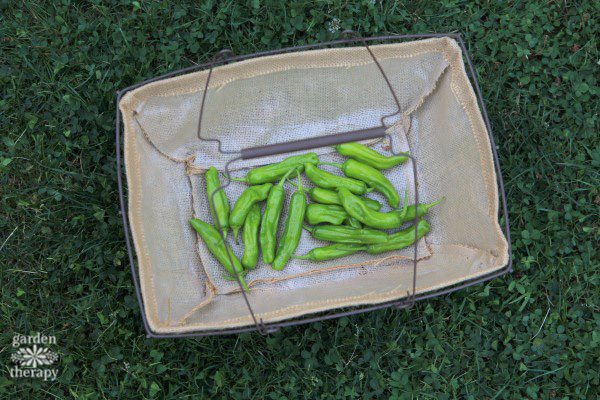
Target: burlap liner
[463,93]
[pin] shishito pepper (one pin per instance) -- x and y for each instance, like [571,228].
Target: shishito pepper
[220,211]
[369,156]
[218,248]
[347,234]
[320,213]
[250,237]
[372,177]
[356,208]
[327,180]
[274,172]
[326,196]
[332,251]
[243,204]
[400,239]
[270,221]
[293,228]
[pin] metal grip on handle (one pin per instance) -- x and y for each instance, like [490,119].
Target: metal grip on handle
[313,143]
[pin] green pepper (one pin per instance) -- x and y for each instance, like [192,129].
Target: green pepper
[218,248]
[274,172]
[356,208]
[220,211]
[412,210]
[369,156]
[250,237]
[331,181]
[347,234]
[319,213]
[372,177]
[400,239]
[326,196]
[293,228]
[353,222]
[332,251]
[243,204]
[270,221]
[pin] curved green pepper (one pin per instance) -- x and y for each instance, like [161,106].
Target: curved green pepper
[357,209]
[400,239]
[274,172]
[293,228]
[331,181]
[250,237]
[369,156]
[243,204]
[214,242]
[270,221]
[220,211]
[319,213]
[372,177]
[326,196]
[347,234]
[332,251]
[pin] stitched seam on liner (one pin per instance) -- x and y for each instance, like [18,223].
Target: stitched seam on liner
[207,301]
[373,263]
[147,137]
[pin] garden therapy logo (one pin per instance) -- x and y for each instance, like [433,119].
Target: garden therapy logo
[32,358]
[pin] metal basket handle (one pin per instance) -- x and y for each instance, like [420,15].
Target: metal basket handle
[305,144]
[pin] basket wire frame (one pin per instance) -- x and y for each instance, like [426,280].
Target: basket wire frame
[348,37]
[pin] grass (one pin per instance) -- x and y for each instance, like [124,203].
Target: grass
[534,334]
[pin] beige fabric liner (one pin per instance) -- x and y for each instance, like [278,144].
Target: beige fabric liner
[293,96]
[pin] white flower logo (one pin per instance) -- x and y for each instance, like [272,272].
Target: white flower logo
[32,357]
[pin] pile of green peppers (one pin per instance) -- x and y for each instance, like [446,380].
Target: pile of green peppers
[339,213]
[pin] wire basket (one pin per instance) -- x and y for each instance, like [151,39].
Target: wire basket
[240,112]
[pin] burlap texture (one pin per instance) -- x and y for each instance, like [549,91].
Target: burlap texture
[293,96]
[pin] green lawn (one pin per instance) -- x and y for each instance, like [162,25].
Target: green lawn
[64,269]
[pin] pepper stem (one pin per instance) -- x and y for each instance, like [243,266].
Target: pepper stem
[228,277]
[299,182]
[280,184]
[240,276]
[405,207]
[242,281]
[244,285]
[332,164]
[234,279]
[435,203]
[308,228]
[245,180]
[292,183]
